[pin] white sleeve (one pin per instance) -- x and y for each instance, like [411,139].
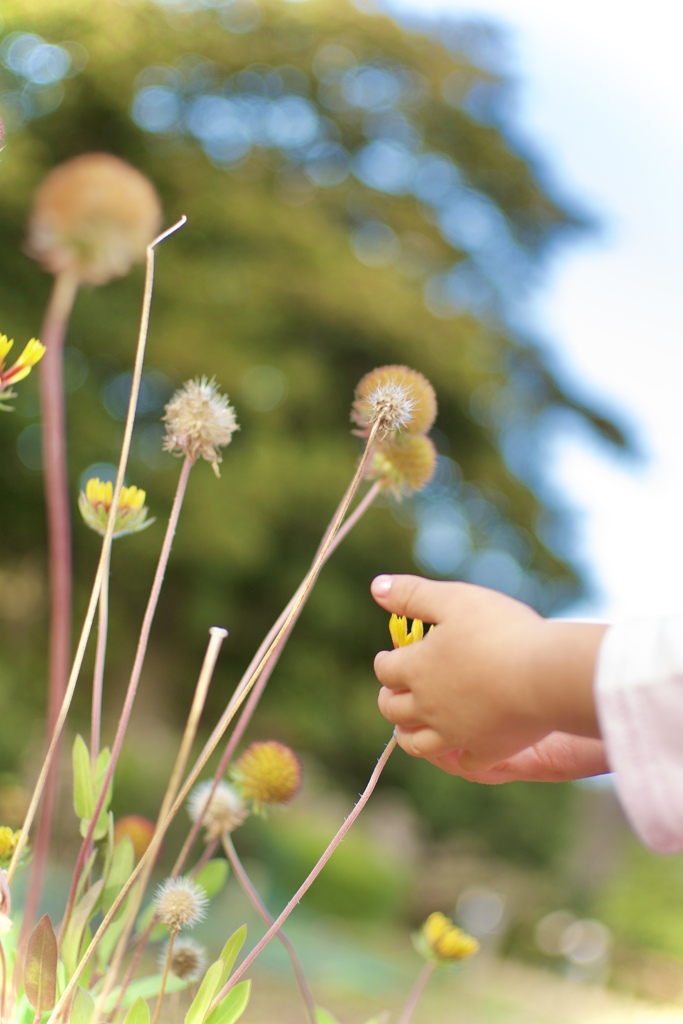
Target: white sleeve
[639,701]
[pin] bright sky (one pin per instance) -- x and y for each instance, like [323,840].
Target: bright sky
[601,95]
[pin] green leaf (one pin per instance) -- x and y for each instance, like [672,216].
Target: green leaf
[120,870]
[233,1006]
[101,766]
[85,875]
[84,791]
[138,1013]
[82,1008]
[207,990]
[145,988]
[322,1017]
[213,876]
[231,950]
[40,968]
[81,914]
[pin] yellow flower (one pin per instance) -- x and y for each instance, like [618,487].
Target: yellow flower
[404,463]
[398,627]
[32,354]
[443,942]
[95,503]
[8,844]
[267,772]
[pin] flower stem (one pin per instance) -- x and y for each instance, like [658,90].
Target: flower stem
[277,924]
[164,978]
[133,682]
[416,993]
[104,555]
[55,479]
[265,915]
[98,671]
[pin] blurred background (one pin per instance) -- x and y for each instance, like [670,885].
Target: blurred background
[436,185]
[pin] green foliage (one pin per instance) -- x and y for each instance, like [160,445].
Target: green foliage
[88,786]
[40,966]
[213,876]
[138,1013]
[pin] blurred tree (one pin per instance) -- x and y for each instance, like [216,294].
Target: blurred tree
[357,195]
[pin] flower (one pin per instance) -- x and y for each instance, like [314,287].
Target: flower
[225,812]
[138,829]
[93,216]
[199,421]
[404,464]
[400,398]
[180,903]
[95,504]
[32,354]
[443,942]
[188,959]
[398,627]
[267,772]
[8,844]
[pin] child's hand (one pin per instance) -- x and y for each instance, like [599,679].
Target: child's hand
[490,680]
[558,757]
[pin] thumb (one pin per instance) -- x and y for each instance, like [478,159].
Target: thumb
[413,596]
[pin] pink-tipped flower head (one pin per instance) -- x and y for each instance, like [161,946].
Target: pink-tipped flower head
[93,217]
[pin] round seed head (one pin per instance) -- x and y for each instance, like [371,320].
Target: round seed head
[398,391]
[199,422]
[188,959]
[267,772]
[226,810]
[404,463]
[180,903]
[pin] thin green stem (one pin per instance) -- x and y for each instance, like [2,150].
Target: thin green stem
[98,671]
[164,977]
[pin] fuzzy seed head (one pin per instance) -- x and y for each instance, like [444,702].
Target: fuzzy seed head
[225,812]
[199,422]
[405,463]
[267,772]
[93,216]
[188,959]
[180,903]
[401,398]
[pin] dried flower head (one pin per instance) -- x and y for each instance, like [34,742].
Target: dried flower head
[225,811]
[94,504]
[188,959]
[199,421]
[443,942]
[404,463]
[267,772]
[32,354]
[401,398]
[180,903]
[93,216]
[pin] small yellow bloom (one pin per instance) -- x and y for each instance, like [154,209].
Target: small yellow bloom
[32,354]
[267,772]
[443,942]
[8,844]
[398,627]
[95,504]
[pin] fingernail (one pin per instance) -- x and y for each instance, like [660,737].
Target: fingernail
[380,586]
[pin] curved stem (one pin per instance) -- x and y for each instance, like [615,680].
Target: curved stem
[277,924]
[416,994]
[265,915]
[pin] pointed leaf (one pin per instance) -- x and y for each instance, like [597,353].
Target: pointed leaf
[101,765]
[82,1008]
[323,1017]
[231,950]
[207,990]
[138,1013]
[213,876]
[40,968]
[85,875]
[233,1006]
[84,791]
[73,937]
[120,870]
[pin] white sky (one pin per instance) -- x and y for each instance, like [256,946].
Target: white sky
[601,97]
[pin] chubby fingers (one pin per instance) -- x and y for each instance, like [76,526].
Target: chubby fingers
[422,742]
[413,596]
[398,707]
